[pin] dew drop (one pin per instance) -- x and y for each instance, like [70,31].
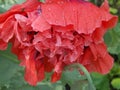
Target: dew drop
[60,2]
[49,9]
[56,21]
[74,9]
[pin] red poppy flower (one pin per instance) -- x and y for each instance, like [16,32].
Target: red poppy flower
[48,36]
[75,28]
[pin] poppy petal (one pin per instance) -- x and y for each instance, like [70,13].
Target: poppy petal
[40,24]
[55,77]
[30,68]
[27,6]
[3,45]
[7,30]
[78,15]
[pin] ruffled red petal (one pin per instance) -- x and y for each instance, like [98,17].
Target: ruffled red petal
[7,29]
[30,68]
[3,45]
[28,6]
[96,59]
[55,77]
[77,14]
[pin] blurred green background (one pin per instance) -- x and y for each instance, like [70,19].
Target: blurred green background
[12,75]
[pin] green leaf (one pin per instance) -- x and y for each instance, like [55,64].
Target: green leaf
[59,87]
[7,54]
[71,76]
[101,81]
[6,4]
[113,10]
[80,85]
[115,70]
[42,0]
[51,86]
[20,1]
[8,65]
[7,69]
[2,10]
[112,40]
[116,83]
[28,88]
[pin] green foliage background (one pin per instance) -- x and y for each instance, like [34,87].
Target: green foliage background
[11,74]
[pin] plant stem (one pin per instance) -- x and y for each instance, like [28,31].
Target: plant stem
[76,65]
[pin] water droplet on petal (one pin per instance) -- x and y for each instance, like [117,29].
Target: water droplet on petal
[74,9]
[56,21]
[49,9]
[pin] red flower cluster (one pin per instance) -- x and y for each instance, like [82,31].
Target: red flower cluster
[48,36]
